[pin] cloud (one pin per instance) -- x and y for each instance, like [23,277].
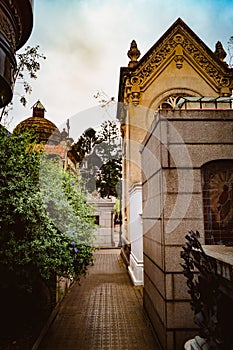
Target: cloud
[86,43]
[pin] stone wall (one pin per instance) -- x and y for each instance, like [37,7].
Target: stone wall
[178,144]
[105,235]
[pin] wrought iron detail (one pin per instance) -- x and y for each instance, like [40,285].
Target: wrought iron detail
[212,308]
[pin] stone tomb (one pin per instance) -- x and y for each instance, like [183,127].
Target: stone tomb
[183,142]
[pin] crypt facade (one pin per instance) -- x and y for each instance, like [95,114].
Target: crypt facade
[176,117]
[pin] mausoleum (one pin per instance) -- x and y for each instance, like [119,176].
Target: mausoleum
[175,109]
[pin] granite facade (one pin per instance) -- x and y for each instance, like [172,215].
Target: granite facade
[173,193]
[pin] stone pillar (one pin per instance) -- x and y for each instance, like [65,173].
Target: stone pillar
[136,235]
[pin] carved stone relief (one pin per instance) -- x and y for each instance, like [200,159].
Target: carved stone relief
[176,46]
[170,102]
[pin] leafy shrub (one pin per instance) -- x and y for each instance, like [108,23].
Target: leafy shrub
[33,242]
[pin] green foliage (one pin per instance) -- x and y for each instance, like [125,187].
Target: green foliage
[28,64]
[85,143]
[108,178]
[65,202]
[101,151]
[31,243]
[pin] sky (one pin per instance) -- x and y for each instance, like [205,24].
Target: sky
[86,42]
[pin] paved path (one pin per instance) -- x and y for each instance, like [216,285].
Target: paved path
[105,312]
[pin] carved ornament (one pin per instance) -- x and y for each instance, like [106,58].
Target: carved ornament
[179,61]
[171,101]
[176,46]
[7,30]
[219,51]
[133,91]
[179,55]
[133,54]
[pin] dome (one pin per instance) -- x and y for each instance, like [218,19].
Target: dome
[44,129]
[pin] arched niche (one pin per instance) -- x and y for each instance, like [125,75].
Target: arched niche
[217,189]
[170,98]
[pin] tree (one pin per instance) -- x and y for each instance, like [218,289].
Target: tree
[85,143]
[99,153]
[109,150]
[28,64]
[108,177]
[32,244]
[65,202]
[108,145]
[35,247]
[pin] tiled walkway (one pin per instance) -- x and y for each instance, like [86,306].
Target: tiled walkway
[105,312]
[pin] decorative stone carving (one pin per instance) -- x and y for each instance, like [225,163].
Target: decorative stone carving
[170,102]
[219,51]
[179,38]
[177,44]
[179,61]
[225,86]
[179,56]
[133,54]
[209,67]
[133,90]
[135,97]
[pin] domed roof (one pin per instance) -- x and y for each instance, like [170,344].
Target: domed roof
[44,129]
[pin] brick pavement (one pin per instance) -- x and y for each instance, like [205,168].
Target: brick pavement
[105,312]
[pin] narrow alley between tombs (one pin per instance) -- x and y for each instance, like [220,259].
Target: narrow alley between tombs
[104,312]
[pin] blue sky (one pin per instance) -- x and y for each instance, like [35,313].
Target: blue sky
[86,43]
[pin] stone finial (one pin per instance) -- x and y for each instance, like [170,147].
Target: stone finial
[64,134]
[133,54]
[38,110]
[219,51]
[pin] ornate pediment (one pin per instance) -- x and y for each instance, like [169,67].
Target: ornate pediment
[179,44]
